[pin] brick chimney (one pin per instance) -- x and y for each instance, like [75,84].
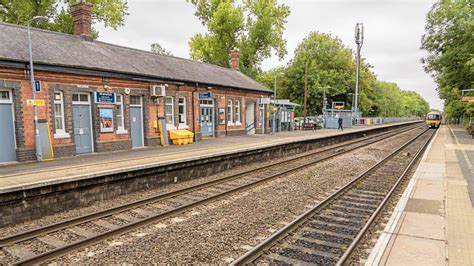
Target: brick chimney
[82,19]
[235,59]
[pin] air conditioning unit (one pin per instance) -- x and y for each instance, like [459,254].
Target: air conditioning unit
[158,91]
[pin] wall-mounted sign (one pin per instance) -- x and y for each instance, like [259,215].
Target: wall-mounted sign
[338,105]
[205,95]
[264,101]
[468,99]
[106,116]
[35,102]
[104,97]
[37,86]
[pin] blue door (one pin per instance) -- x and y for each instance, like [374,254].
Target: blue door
[7,130]
[136,121]
[82,128]
[207,121]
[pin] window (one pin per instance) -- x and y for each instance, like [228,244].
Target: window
[135,100]
[237,112]
[119,112]
[229,112]
[80,98]
[59,124]
[5,96]
[182,111]
[169,110]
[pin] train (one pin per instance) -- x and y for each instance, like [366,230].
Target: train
[433,119]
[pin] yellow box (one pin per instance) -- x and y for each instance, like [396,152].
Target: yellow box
[181,137]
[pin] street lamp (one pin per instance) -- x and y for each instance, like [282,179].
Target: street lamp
[325,101]
[359,40]
[39,154]
[274,99]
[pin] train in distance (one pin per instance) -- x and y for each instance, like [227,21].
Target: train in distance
[433,119]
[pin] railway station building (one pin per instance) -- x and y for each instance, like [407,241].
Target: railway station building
[99,97]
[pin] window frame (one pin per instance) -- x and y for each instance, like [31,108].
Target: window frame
[170,125]
[184,114]
[121,118]
[59,133]
[237,112]
[230,115]
[10,96]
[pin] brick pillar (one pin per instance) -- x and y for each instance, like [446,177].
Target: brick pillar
[234,59]
[82,18]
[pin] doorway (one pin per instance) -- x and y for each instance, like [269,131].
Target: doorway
[250,118]
[207,118]
[7,127]
[81,113]
[136,121]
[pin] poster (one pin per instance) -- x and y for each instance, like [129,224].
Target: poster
[106,119]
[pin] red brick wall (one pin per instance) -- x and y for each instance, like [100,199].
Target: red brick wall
[75,83]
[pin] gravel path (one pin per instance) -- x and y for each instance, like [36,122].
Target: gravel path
[221,231]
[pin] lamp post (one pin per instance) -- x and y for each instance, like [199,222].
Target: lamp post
[359,40]
[274,100]
[39,154]
[325,101]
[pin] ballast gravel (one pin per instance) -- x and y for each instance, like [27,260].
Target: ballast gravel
[222,230]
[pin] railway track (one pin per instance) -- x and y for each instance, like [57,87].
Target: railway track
[328,233]
[54,240]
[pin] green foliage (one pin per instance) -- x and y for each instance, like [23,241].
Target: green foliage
[449,40]
[111,12]
[157,48]
[332,65]
[254,26]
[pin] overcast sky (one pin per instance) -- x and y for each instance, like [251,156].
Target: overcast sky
[393,30]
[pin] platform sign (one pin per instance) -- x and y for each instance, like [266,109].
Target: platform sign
[37,86]
[35,102]
[104,97]
[264,101]
[338,105]
[468,99]
[205,95]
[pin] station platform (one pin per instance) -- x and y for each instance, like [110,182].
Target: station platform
[21,176]
[433,223]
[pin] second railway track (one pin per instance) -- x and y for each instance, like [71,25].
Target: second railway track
[124,218]
[328,233]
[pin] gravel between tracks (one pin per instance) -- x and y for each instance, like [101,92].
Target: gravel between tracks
[220,231]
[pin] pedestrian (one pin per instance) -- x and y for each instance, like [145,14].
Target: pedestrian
[339,122]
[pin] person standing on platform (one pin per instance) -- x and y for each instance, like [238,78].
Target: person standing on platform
[339,122]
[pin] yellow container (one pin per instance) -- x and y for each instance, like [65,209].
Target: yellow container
[181,137]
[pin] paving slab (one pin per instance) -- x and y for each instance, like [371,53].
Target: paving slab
[409,250]
[433,223]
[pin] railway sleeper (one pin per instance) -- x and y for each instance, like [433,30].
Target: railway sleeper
[308,251]
[368,197]
[348,214]
[360,200]
[315,222]
[339,234]
[356,205]
[338,220]
[338,229]
[315,246]
[350,210]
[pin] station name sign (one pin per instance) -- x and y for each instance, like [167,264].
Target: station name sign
[205,95]
[104,97]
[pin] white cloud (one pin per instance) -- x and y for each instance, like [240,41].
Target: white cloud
[393,31]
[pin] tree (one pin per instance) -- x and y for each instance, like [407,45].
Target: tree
[449,41]
[255,27]
[111,12]
[331,65]
[157,48]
